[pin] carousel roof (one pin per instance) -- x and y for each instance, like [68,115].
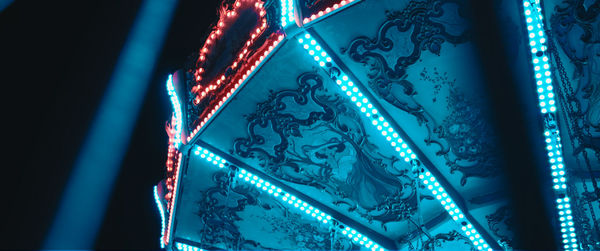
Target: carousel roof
[355,124]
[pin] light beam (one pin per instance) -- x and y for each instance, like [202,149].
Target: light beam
[86,194]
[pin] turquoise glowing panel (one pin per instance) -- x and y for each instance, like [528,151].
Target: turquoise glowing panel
[263,185]
[322,58]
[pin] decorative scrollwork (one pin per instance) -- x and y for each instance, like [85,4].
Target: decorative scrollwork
[443,240]
[337,158]
[502,225]
[216,69]
[463,137]
[218,218]
[576,28]
[469,138]
[226,207]
[425,34]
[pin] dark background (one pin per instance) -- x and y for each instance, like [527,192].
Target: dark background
[56,60]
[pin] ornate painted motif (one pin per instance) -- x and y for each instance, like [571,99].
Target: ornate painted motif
[338,157]
[218,216]
[463,136]
[438,80]
[502,225]
[465,131]
[244,32]
[425,35]
[469,138]
[575,28]
[225,208]
[452,240]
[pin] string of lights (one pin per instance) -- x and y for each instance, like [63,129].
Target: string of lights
[174,132]
[320,56]
[174,156]
[161,211]
[178,117]
[263,185]
[224,22]
[287,12]
[171,205]
[543,81]
[347,86]
[273,42]
[186,247]
[327,11]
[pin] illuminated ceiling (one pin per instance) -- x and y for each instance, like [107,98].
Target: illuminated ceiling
[347,125]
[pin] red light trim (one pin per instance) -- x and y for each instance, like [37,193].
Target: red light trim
[173,163]
[239,80]
[326,11]
[223,21]
[202,92]
[243,72]
[171,205]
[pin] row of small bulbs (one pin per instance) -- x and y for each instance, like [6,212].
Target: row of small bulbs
[287,9]
[185,247]
[567,226]
[387,131]
[200,94]
[555,159]
[541,66]
[178,124]
[543,79]
[326,11]
[287,12]
[172,181]
[453,210]
[161,211]
[173,158]
[288,199]
[273,41]
[358,98]
[171,195]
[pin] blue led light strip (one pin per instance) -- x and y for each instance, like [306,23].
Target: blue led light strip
[289,199]
[176,111]
[543,80]
[327,11]
[287,12]
[349,88]
[186,247]
[541,66]
[161,211]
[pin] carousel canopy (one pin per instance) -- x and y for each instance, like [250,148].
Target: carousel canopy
[369,124]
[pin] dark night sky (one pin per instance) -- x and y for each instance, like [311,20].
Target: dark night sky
[57,59]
